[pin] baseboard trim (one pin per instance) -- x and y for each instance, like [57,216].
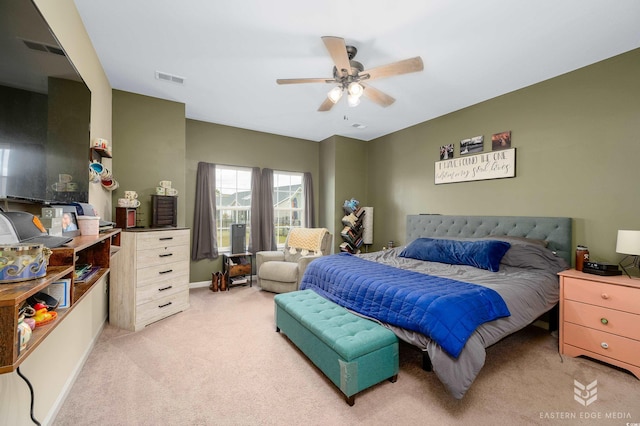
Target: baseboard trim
[200,284]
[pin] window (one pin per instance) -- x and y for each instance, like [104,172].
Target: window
[288,204]
[233,202]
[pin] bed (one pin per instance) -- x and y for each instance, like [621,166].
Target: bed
[534,250]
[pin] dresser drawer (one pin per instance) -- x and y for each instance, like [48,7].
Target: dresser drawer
[161,308]
[601,294]
[148,240]
[162,273]
[162,256]
[619,348]
[161,290]
[603,319]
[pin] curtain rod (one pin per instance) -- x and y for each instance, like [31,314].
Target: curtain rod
[251,167]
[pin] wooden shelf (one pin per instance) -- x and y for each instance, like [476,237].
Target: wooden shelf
[101,152]
[84,249]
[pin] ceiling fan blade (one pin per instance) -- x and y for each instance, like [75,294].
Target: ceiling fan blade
[338,51]
[377,96]
[401,67]
[303,80]
[326,105]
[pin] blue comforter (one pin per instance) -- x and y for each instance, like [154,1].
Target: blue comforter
[446,310]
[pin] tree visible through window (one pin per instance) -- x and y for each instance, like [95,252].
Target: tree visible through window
[233,202]
[288,204]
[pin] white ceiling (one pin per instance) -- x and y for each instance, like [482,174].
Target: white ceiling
[231,53]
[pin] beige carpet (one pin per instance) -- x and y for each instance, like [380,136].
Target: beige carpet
[222,363]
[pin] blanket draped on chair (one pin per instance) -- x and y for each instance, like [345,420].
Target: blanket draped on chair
[307,240]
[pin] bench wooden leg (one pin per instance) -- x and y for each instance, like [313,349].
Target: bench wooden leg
[350,400]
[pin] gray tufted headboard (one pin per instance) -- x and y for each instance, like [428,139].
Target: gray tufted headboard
[555,230]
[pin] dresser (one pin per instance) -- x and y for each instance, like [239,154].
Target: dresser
[600,318]
[152,277]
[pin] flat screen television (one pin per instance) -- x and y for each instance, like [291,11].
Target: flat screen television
[44,112]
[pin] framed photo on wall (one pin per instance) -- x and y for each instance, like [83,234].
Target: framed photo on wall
[446,152]
[472,145]
[500,141]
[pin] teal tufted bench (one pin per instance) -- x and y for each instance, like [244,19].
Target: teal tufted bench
[353,352]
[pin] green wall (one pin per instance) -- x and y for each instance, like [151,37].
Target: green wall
[346,175]
[214,143]
[149,134]
[577,149]
[328,184]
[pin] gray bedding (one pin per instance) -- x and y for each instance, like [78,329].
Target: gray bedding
[528,283]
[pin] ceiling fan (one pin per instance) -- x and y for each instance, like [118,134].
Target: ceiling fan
[350,76]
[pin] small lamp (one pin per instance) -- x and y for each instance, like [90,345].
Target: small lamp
[628,243]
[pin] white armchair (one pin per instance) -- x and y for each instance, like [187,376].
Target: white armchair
[281,271]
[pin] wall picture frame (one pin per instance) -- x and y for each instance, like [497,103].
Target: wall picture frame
[501,141]
[472,145]
[484,166]
[446,152]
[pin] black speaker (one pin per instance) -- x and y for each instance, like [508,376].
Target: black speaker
[238,238]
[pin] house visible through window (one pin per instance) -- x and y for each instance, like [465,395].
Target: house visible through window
[233,202]
[288,204]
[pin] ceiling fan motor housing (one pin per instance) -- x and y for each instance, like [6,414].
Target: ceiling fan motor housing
[356,68]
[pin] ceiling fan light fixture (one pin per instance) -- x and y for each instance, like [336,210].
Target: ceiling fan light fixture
[353,101]
[355,89]
[335,94]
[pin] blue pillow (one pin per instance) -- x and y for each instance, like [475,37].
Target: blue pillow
[481,254]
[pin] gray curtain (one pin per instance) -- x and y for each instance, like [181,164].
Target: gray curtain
[255,245]
[307,185]
[267,235]
[205,244]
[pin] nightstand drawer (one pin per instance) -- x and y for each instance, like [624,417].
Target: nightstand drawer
[603,319]
[607,295]
[605,344]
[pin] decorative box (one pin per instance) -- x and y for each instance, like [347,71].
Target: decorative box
[21,262]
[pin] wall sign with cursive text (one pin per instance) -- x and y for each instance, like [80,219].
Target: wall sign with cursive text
[487,165]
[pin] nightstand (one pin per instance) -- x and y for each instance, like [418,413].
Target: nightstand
[239,267]
[600,317]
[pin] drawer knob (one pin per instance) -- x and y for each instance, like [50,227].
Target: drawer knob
[605,296]
[604,345]
[604,321]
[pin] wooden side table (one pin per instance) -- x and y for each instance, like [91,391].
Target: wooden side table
[240,268]
[599,317]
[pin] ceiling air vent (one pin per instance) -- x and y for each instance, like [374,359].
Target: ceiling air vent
[169,77]
[41,47]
